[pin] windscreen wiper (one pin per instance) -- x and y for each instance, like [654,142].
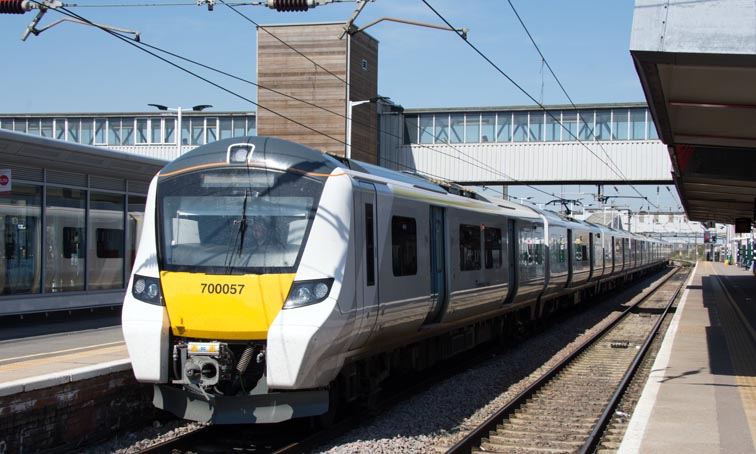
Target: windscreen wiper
[243,222]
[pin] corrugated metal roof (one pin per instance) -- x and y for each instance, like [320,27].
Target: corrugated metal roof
[33,151]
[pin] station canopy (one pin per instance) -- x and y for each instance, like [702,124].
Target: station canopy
[32,151]
[697,65]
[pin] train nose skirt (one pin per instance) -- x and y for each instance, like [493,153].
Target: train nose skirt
[266,407]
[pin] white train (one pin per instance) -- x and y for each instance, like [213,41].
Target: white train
[273,281]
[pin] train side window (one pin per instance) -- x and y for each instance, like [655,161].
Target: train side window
[73,242]
[469,247]
[581,249]
[369,244]
[404,246]
[492,248]
[538,253]
[109,243]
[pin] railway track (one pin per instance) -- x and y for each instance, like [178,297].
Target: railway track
[298,436]
[569,407]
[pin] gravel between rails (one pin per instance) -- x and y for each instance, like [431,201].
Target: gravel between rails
[432,422]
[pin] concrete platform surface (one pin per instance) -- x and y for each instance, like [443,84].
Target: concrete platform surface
[701,395]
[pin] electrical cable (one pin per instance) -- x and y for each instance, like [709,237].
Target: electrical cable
[284,42]
[143,43]
[572,103]
[487,167]
[339,78]
[520,88]
[398,164]
[126,5]
[131,42]
[136,45]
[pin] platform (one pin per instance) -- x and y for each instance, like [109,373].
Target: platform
[39,360]
[701,395]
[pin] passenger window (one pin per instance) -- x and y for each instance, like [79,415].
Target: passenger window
[538,253]
[492,248]
[109,243]
[369,244]
[469,247]
[404,246]
[73,242]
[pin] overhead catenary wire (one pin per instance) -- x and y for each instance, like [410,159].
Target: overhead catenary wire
[126,5]
[325,109]
[135,44]
[564,90]
[487,167]
[520,88]
[345,82]
[284,42]
[139,45]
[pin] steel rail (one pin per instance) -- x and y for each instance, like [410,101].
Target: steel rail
[595,436]
[474,438]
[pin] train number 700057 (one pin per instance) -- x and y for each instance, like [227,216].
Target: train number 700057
[222,289]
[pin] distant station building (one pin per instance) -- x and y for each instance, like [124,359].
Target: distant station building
[478,145]
[155,134]
[70,219]
[71,223]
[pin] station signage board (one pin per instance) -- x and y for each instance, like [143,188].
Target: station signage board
[6,181]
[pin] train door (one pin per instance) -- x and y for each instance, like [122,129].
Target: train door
[366,259]
[570,257]
[591,256]
[438,290]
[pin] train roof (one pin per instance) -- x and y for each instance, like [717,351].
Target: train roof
[283,154]
[273,152]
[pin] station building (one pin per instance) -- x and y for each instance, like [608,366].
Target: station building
[71,222]
[401,130]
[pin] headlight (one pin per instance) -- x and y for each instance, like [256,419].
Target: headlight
[147,289]
[308,292]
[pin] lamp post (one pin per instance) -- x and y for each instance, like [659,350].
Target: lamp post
[350,106]
[178,110]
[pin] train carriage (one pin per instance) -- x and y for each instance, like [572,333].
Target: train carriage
[273,280]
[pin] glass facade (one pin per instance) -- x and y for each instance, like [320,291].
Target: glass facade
[61,239]
[21,228]
[600,124]
[138,131]
[65,239]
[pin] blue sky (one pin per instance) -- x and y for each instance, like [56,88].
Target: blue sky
[76,68]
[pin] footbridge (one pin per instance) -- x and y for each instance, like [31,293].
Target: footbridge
[587,144]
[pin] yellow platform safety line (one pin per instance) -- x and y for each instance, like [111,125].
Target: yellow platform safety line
[224,307]
[66,358]
[741,339]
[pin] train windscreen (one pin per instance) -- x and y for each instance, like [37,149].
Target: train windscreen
[233,221]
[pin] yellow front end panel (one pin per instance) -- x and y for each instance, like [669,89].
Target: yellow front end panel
[235,307]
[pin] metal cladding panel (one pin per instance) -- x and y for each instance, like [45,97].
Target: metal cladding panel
[721,27]
[540,162]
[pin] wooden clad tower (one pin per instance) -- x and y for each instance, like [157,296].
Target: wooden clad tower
[309,62]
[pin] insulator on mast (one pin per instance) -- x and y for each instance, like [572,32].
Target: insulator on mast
[15,6]
[289,5]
